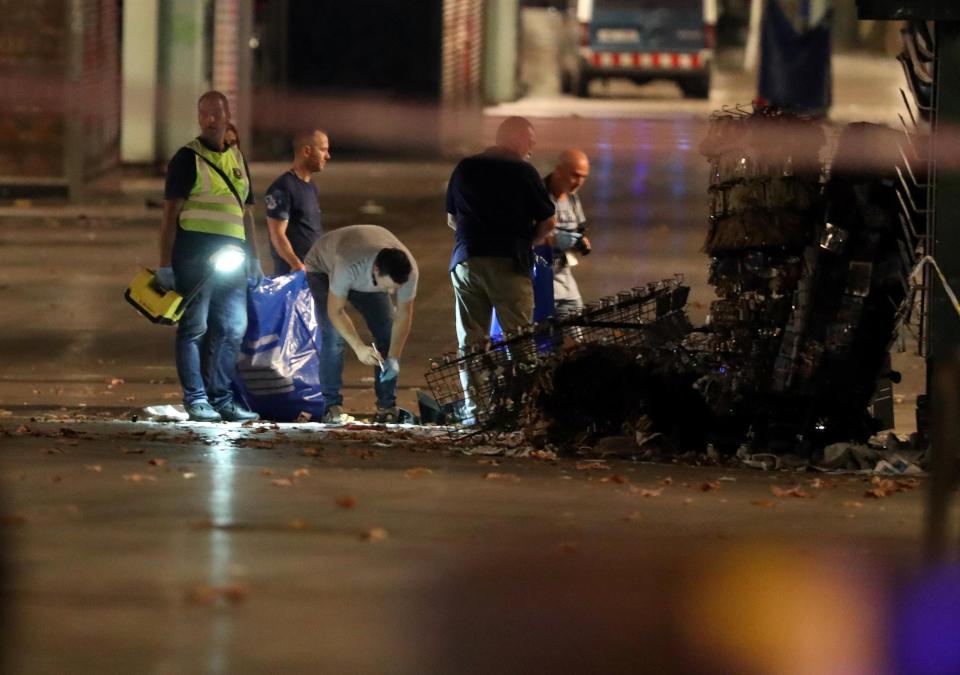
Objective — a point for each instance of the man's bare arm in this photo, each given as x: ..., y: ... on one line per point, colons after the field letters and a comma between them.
x: 543, y: 229
x: 337, y: 311
x: 281, y: 244
x: 402, y: 323
x: 168, y: 229
x: 250, y: 231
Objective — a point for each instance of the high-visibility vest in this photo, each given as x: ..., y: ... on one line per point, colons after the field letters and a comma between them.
x: 211, y: 206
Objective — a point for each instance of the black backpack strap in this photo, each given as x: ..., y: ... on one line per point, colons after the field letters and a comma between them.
x: 223, y: 176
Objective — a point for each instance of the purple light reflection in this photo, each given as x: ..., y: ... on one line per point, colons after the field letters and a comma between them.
x: 926, y: 628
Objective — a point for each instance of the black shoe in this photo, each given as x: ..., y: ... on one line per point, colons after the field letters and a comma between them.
x: 234, y: 412
x: 202, y: 411
x: 386, y: 415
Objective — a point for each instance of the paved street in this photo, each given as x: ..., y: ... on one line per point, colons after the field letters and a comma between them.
x: 160, y: 548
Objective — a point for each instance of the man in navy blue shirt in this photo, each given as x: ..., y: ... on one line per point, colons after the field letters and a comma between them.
x: 293, y: 207
x: 499, y: 207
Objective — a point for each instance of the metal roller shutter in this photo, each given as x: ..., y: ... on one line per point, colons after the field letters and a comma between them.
x: 462, y: 52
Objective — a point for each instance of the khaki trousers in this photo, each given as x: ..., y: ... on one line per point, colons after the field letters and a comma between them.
x: 484, y: 284
x: 481, y: 285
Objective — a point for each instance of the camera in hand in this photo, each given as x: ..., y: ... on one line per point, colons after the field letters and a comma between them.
x: 582, y: 246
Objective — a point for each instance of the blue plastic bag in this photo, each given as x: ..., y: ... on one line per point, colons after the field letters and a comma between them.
x: 278, y: 373
x: 541, y: 276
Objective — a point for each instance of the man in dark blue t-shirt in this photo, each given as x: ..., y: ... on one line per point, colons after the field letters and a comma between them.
x: 499, y: 208
x: 293, y: 207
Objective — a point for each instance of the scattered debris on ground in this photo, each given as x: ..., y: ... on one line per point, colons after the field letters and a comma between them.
x: 811, y: 268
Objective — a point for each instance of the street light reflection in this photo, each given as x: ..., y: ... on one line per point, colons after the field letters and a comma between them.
x: 220, y: 508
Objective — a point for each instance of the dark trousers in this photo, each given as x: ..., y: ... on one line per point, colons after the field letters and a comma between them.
x: 377, y: 311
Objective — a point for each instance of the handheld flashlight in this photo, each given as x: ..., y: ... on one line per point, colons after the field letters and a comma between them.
x: 228, y: 259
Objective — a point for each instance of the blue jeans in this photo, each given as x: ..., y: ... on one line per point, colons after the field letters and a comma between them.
x: 377, y: 311
x: 210, y: 332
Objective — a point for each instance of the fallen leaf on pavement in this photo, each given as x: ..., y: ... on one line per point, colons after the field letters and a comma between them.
x: 362, y: 454
x: 188, y: 475
x: 257, y: 445
x: 417, y: 472
x: 298, y: 524
x: 93, y: 467
x: 665, y: 481
x: 645, y: 492
x: 794, y: 491
x: 710, y: 485
x: 311, y: 452
x: 139, y: 478
x: 156, y: 461
x: 23, y: 429
x: 301, y: 472
x: 592, y: 465
x: 132, y: 451
x: 882, y: 488
x: 345, y: 501
x: 375, y: 534
x: 765, y: 503
x: 496, y: 475
x: 266, y: 472
x: 490, y: 462
x: 282, y: 482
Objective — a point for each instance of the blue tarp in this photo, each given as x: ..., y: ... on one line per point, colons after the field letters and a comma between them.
x: 278, y: 374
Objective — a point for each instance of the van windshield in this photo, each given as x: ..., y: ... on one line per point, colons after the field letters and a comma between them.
x: 647, y: 4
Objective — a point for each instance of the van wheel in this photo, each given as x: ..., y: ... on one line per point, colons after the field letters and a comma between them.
x: 583, y: 87
x: 698, y: 87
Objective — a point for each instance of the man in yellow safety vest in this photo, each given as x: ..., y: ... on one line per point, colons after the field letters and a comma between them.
x: 207, y: 205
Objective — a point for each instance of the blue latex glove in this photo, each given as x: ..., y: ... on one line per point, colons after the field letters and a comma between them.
x: 165, y: 279
x: 564, y: 239
x: 390, y: 370
x: 254, y: 271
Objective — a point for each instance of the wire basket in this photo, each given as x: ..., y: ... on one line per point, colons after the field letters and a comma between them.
x: 498, y: 375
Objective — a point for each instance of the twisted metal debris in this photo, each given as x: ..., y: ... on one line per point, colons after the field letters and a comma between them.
x: 503, y: 372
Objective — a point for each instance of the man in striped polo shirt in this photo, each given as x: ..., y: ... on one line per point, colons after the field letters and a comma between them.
x: 208, y: 204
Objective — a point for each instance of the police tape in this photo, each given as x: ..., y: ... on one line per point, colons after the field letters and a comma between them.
x: 916, y: 279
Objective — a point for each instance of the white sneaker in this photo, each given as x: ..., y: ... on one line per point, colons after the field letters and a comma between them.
x: 335, y: 415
